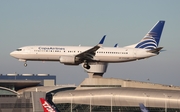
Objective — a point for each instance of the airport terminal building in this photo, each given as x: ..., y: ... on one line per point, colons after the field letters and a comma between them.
x: 21, y: 93
x: 117, y: 95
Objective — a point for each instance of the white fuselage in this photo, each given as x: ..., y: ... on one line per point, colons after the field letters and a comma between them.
x: 104, y: 54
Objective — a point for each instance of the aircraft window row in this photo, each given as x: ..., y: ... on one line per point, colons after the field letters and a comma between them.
x: 71, y: 51
x: 76, y: 51
x: 47, y: 51
x: 101, y: 86
x: 56, y: 51
x: 113, y: 52
x: 18, y: 49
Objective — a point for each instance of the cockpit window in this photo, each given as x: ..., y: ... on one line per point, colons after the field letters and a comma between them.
x: 18, y: 49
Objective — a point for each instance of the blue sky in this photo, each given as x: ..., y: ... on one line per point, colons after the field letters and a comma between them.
x: 57, y: 22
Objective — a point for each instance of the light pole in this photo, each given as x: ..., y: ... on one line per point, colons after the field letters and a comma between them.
x: 165, y: 102
x: 145, y: 98
x: 111, y: 101
x: 90, y: 102
x: 178, y: 101
x: 169, y: 101
x: 148, y: 100
x: 71, y: 101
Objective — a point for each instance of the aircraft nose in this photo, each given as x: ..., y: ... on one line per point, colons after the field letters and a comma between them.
x: 12, y: 54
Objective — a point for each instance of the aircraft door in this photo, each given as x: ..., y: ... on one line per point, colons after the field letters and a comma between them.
x: 135, y: 53
x: 27, y: 50
x: 32, y: 50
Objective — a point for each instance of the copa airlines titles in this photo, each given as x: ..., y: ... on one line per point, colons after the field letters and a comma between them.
x: 51, y: 48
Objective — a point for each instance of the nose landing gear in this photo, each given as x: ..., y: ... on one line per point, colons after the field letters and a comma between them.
x: 25, y: 64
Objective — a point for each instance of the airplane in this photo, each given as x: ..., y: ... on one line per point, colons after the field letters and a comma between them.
x: 46, y: 106
x: 143, y: 108
x: 75, y: 55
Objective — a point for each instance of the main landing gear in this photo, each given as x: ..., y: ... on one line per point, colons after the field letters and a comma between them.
x: 86, y: 65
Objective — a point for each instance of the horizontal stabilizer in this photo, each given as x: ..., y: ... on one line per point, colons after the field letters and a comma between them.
x: 155, y: 50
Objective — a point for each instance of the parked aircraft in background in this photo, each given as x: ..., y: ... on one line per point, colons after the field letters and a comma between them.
x: 46, y: 106
x: 143, y: 108
x: 75, y: 55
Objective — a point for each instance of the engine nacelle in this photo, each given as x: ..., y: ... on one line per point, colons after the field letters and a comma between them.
x: 67, y: 60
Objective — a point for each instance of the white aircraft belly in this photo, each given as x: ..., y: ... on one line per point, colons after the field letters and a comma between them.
x: 44, y: 57
x: 114, y: 59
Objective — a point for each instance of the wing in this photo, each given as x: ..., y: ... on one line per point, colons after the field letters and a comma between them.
x: 90, y: 53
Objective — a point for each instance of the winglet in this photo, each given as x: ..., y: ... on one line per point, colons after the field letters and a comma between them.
x: 116, y: 45
x: 102, y: 40
x: 157, y: 50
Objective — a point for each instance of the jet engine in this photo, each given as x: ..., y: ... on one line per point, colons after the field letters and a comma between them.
x: 67, y: 60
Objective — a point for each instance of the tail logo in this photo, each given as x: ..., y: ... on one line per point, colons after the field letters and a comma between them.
x: 48, y: 107
x: 148, y: 42
x: 152, y: 38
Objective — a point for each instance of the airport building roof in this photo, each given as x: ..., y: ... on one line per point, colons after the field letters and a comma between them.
x: 16, y: 81
x: 124, y: 95
x: 7, y: 92
x: 18, y: 84
x: 96, y: 83
x: 48, y: 89
x: 121, y: 97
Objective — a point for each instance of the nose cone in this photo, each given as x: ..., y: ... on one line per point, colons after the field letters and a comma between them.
x: 13, y: 54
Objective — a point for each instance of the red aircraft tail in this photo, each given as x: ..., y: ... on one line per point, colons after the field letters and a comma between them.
x: 46, y: 106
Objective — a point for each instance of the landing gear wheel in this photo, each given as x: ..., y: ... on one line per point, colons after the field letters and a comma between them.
x: 86, y: 66
x: 25, y: 64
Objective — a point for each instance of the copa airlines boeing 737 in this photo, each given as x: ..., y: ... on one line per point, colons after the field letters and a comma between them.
x: 75, y: 55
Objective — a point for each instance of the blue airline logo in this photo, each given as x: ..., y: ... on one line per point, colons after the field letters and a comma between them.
x: 152, y: 38
x: 148, y: 42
